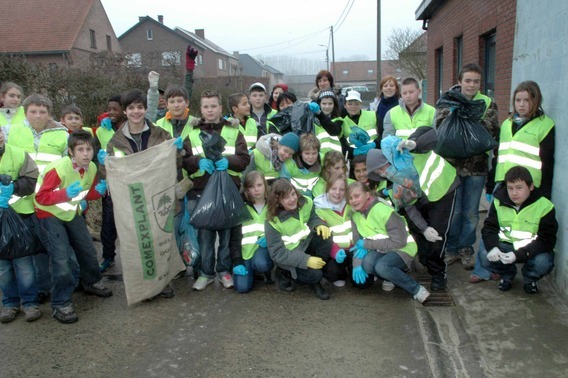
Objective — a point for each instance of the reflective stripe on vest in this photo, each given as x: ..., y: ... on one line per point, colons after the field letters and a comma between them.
x: 292, y: 231
x: 264, y: 165
x: 295, y: 238
x: 523, y: 148
x: 436, y: 174
x: 304, y: 184
x: 67, y: 206
x: 367, y: 122
x: 228, y: 133
x: 521, y: 228
x: 405, y: 124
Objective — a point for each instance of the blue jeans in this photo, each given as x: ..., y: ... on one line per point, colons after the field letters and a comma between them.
x: 464, y: 222
x: 260, y: 262
x: 533, y: 269
x: 18, y: 282
x: 207, y: 247
x: 478, y: 269
x: 43, y: 271
x: 59, y: 238
x: 390, y: 266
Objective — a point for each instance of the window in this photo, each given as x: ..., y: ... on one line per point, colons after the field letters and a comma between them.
x: 109, y: 43
x: 93, y: 38
x: 489, y: 66
x: 171, y: 58
x: 370, y: 71
x: 439, y: 90
x: 149, y: 34
x: 134, y: 60
x: 200, y: 59
x: 459, y: 56
x: 346, y: 72
x: 221, y: 64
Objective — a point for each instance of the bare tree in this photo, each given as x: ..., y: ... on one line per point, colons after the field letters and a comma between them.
x: 409, y: 47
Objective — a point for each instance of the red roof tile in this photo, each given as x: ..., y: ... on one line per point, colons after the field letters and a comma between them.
x: 42, y: 26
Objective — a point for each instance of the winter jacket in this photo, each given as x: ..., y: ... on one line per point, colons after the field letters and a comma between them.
x: 237, y: 162
x: 547, y: 225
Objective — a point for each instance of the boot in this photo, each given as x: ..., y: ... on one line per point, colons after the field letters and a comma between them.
x: 438, y: 283
x: 467, y: 259
x: 268, y: 278
x: 284, y: 280
x: 320, y: 291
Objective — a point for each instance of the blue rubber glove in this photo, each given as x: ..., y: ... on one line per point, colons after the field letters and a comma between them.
x: 314, y: 107
x: 261, y: 242
x: 222, y: 164
x: 359, y: 250
x: 363, y: 149
x: 240, y: 270
x: 358, y: 137
x: 206, y: 165
x: 359, y: 275
x: 83, y: 206
x: 489, y: 197
x: 106, y: 123
x: 101, y: 187
x: 340, y: 256
x: 178, y: 143
x: 6, y: 192
x: 101, y: 156
x: 73, y: 190
x: 360, y: 244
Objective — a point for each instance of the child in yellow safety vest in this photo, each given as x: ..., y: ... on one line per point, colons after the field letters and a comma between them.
x: 11, y: 110
x: 333, y: 163
x: 270, y: 154
x: 304, y: 168
x: 332, y: 208
x: 254, y: 255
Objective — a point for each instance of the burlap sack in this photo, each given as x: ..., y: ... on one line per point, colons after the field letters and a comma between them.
x: 143, y: 194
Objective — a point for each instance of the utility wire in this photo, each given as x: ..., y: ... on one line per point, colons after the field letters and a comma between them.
x: 307, y: 36
x: 335, y: 29
x: 341, y: 15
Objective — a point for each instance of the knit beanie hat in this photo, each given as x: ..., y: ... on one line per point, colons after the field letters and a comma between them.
x: 375, y: 160
x: 325, y: 93
x: 290, y: 140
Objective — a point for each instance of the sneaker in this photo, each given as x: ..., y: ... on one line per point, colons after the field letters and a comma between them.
x: 505, y: 285
x: 422, y: 294
x: 43, y: 297
x: 320, y: 291
x: 451, y: 258
x: 474, y: 278
x: 226, y: 279
x: 98, y: 289
x: 268, y: 278
x: 339, y: 283
x: 65, y: 315
x: 466, y: 256
x: 202, y: 283
x: 106, y: 265
x: 32, y: 313
x: 388, y: 286
x: 168, y: 292
x: 530, y: 287
x: 438, y: 283
x: 8, y: 314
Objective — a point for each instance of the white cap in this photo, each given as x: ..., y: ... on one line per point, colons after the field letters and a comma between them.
x: 353, y: 95
x: 257, y: 84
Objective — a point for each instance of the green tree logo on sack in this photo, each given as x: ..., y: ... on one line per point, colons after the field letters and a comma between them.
x: 143, y: 230
x: 164, y: 209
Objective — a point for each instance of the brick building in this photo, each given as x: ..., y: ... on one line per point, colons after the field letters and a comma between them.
x: 58, y: 33
x: 462, y: 32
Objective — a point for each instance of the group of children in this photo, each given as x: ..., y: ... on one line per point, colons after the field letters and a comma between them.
x: 320, y: 203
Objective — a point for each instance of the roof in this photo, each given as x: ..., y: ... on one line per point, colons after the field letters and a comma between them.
x: 247, y: 60
x: 273, y: 70
x: 208, y: 44
x: 144, y: 19
x: 42, y: 26
x: 428, y: 8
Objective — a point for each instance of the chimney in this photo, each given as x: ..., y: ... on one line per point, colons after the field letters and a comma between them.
x: 161, y: 18
x: 236, y: 54
x: 141, y: 18
x: 200, y: 33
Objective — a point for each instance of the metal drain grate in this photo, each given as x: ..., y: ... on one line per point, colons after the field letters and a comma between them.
x: 436, y: 298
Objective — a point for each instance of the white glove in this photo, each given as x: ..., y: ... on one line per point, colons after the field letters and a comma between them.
x: 408, y: 144
x: 153, y: 78
x: 494, y: 254
x: 431, y: 235
x: 508, y: 258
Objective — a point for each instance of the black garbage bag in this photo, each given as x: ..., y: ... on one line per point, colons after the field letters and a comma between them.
x: 302, y: 120
x: 283, y: 120
x: 461, y: 134
x: 213, y: 145
x: 220, y: 206
x: 296, y: 118
x: 16, y: 238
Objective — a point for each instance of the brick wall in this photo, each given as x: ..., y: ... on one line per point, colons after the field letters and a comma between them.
x: 473, y: 20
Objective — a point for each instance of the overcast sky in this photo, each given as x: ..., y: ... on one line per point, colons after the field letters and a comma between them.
x: 268, y: 28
